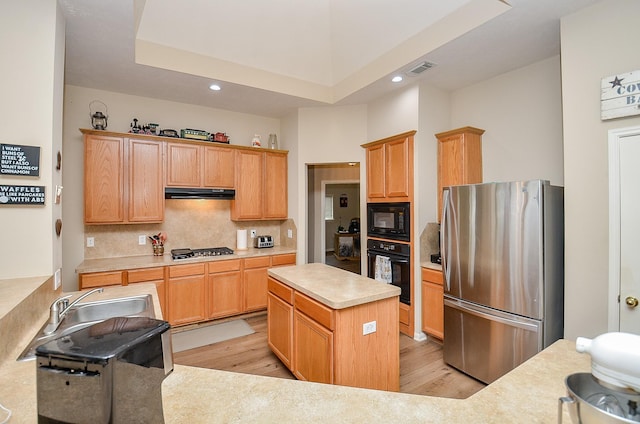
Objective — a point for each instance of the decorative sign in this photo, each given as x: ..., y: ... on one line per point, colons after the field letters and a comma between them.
x: 620, y: 95
x: 19, y: 160
x: 21, y: 195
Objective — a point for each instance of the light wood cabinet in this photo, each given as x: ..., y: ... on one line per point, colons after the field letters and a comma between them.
x: 390, y: 169
x: 432, y: 303
x: 321, y: 344
x: 100, y: 279
x: 122, y: 180
x: 186, y: 293
x: 150, y: 275
x: 193, y: 165
x: 224, y: 288
x: 280, y: 321
x: 184, y: 163
x: 313, y: 354
x: 261, y: 186
x: 255, y: 278
x: 459, y: 159
x: 255, y: 282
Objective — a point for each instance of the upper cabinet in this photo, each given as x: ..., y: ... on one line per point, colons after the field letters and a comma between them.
x: 122, y: 180
x: 459, y: 159
x: 261, y: 186
x: 125, y: 176
x: 390, y: 169
x: 192, y: 165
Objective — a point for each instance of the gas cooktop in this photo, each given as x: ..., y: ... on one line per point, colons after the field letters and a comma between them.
x: 194, y: 253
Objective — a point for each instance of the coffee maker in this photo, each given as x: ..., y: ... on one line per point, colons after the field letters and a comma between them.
x: 109, y: 372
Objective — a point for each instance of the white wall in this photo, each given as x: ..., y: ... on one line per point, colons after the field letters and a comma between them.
x: 521, y: 113
x: 325, y: 135
x: 32, y: 47
x: 597, y: 42
x: 122, y: 108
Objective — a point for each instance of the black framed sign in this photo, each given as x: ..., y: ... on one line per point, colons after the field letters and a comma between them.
x: 19, y: 160
x: 21, y: 195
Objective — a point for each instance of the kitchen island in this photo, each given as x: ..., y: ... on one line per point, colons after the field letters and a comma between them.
x: 528, y: 394
x: 328, y: 325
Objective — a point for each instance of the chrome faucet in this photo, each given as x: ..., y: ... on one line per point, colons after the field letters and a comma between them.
x: 59, y: 309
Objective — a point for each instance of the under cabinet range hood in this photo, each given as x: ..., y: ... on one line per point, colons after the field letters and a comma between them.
x: 199, y: 193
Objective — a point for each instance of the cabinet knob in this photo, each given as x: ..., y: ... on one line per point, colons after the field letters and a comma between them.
x: 631, y: 301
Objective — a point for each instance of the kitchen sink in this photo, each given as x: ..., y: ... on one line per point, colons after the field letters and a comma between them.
x: 85, y: 314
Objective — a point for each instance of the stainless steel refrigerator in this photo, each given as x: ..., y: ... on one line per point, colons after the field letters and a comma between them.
x: 503, y: 265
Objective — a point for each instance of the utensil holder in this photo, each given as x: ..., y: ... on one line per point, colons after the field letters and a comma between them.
x: 158, y: 249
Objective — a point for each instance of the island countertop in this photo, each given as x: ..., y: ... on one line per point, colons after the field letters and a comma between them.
x: 333, y: 287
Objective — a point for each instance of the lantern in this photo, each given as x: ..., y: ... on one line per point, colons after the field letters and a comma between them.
x: 98, y: 118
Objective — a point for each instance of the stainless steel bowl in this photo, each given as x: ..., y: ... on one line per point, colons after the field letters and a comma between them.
x: 584, y: 393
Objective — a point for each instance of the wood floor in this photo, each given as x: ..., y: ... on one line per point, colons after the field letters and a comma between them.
x: 422, y: 370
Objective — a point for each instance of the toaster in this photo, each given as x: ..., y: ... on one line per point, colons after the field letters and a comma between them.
x: 263, y: 241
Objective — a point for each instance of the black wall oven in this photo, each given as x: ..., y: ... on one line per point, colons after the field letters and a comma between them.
x: 389, y: 262
x: 389, y: 221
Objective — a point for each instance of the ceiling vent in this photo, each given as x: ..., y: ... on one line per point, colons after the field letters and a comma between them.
x: 420, y: 68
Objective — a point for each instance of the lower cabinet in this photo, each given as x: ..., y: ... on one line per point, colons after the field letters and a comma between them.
x: 312, y: 344
x: 280, y: 321
x: 186, y: 294
x: 432, y: 303
x: 191, y: 293
x: 151, y: 275
x: 224, y: 288
x: 323, y: 345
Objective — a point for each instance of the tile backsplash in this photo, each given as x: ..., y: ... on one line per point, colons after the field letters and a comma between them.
x: 188, y: 223
x: 429, y: 243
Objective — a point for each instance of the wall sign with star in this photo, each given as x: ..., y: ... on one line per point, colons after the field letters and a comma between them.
x: 620, y: 95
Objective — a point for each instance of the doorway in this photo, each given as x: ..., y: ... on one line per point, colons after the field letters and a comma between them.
x: 624, y: 230
x: 333, y: 201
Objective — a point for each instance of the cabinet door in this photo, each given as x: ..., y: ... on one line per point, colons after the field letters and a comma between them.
x: 280, y: 328
x: 312, y: 350
x: 150, y: 275
x: 275, y: 186
x: 459, y: 159
x: 103, y: 180
x: 398, y: 168
x: 184, y: 165
x: 224, y: 294
x: 145, y: 182
x: 432, y: 303
x: 186, y: 293
x: 218, y: 167
x: 248, y: 203
x: 376, y: 172
x: 255, y: 283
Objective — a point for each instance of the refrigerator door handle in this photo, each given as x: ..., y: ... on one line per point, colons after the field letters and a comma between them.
x: 445, y: 248
x: 474, y: 310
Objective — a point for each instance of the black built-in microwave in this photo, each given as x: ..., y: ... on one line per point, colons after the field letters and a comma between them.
x: 389, y: 220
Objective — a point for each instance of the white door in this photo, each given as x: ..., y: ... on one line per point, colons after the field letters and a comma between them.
x: 625, y: 207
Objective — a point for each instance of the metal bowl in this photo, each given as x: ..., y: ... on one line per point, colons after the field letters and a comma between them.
x: 584, y: 393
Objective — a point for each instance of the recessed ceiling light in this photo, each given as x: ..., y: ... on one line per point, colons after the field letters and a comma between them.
x: 214, y: 87
x: 397, y: 78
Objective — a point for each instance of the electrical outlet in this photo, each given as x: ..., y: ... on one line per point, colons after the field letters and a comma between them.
x: 142, y: 240
x: 290, y: 233
x: 90, y: 242
x: 368, y: 328
x: 253, y: 234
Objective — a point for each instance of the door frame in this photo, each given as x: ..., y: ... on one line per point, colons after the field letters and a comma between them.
x: 323, y: 227
x: 615, y: 138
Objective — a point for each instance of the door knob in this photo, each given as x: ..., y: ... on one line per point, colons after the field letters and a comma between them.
x: 631, y: 301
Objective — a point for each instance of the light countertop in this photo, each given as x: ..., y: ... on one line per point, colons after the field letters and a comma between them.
x: 332, y: 286
x: 150, y: 261
x: 431, y: 265
x: 528, y: 394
